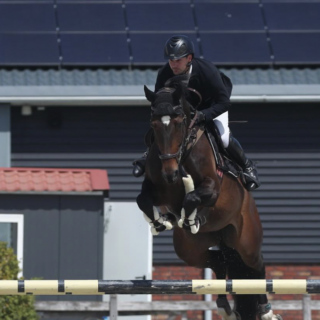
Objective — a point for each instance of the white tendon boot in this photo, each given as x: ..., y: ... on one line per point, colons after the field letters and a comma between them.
x: 158, y: 218
x: 189, y: 187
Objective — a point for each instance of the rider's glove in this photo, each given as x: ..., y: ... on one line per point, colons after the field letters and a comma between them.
x: 201, y: 119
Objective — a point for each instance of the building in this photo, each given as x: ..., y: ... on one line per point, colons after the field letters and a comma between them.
x: 77, y: 100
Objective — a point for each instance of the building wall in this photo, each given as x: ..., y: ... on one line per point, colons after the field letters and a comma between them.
x: 62, y: 237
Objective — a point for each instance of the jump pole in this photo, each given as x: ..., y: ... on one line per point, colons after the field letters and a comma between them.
x: 100, y: 287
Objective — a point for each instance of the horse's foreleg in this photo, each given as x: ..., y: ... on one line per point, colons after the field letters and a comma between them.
x: 203, y: 195
x: 150, y: 212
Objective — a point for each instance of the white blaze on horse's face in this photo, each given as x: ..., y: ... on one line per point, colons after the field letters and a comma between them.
x: 165, y: 120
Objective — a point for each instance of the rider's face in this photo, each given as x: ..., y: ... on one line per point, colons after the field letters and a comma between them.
x: 180, y: 65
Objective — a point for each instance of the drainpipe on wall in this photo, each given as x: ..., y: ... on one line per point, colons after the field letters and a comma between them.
x: 208, y: 297
x: 5, y: 136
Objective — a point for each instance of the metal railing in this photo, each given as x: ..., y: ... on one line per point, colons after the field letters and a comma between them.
x: 113, y: 308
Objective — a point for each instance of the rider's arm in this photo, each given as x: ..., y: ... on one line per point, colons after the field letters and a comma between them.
x: 220, y: 101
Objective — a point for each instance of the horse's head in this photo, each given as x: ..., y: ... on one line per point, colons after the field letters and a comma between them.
x: 169, y: 120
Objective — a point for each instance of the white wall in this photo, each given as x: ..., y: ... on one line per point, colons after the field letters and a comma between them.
x: 127, y: 252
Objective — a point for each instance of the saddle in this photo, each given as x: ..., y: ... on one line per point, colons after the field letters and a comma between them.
x: 223, y: 161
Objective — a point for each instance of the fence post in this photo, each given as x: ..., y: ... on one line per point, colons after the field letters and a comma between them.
x: 306, y: 307
x: 113, y: 307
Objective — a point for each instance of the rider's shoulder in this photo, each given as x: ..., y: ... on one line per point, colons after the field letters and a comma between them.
x: 204, y: 64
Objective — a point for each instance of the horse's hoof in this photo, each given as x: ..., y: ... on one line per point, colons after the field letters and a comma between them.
x: 233, y: 316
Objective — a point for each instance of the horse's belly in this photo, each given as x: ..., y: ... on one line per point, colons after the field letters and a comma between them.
x: 214, y: 220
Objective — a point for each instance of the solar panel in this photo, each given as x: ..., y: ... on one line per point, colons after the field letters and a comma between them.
x: 148, y: 48
x: 235, y: 48
x: 29, y: 49
x: 94, y: 49
x: 91, y: 16
x: 293, y: 16
x: 228, y: 16
x: 296, y: 47
x: 170, y: 16
x: 15, y: 17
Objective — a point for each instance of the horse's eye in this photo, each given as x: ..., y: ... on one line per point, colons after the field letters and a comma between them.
x: 154, y: 124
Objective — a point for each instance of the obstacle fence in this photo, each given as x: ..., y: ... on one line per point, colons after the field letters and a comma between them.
x: 100, y: 287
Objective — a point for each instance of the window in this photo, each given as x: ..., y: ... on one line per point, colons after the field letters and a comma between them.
x: 11, y: 231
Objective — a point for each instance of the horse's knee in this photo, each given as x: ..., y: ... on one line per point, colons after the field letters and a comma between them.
x: 191, y: 201
x: 145, y: 203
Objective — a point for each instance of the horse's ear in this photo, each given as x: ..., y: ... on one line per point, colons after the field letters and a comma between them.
x: 150, y: 95
x: 177, y: 93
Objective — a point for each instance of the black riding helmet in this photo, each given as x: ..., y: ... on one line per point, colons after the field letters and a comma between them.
x: 178, y: 47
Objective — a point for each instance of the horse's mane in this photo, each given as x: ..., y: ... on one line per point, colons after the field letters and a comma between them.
x: 182, y: 82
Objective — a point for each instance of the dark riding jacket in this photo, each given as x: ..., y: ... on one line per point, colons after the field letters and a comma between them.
x: 206, y: 79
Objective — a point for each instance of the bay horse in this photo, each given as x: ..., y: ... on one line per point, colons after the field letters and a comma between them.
x: 183, y: 190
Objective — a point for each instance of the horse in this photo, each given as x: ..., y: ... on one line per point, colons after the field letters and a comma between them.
x: 183, y: 190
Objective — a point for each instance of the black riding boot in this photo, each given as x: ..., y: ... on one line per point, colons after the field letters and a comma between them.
x: 139, y: 165
x: 237, y: 154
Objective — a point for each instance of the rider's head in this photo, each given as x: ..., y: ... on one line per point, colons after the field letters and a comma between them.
x: 179, y: 50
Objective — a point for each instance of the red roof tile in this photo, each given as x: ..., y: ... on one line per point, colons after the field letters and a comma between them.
x: 53, y: 180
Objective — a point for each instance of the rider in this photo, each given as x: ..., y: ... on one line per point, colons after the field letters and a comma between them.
x: 206, y: 79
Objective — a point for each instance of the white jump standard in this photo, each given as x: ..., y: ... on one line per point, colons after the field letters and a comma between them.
x: 100, y: 287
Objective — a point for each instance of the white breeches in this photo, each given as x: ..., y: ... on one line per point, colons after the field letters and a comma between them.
x: 222, y: 123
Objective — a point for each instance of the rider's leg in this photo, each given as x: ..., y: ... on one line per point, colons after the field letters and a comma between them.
x: 139, y: 164
x: 236, y: 152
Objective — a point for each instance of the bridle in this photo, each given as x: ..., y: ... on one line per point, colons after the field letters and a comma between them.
x: 190, y: 138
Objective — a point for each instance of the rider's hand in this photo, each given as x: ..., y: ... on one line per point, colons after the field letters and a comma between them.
x: 201, y: 119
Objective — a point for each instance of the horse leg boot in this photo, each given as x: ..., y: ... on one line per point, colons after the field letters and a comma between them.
x: 219, y: 267
x: 237, y: 154
x: 144, y: 200
x: 264, y: 307
x: 250, y: 266
x: 194, y: 197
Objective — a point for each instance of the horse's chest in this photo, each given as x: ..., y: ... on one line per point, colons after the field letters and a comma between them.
x: 170, y: 195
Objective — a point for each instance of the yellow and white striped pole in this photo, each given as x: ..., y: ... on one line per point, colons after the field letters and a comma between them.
x: 100, y: 287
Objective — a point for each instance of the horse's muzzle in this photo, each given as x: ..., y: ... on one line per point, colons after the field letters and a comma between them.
x: 171, y: 177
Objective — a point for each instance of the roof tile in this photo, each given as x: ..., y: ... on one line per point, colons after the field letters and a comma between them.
x: 53, y: 180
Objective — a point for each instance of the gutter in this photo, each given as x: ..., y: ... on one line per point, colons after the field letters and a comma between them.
x: 134, y: 101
